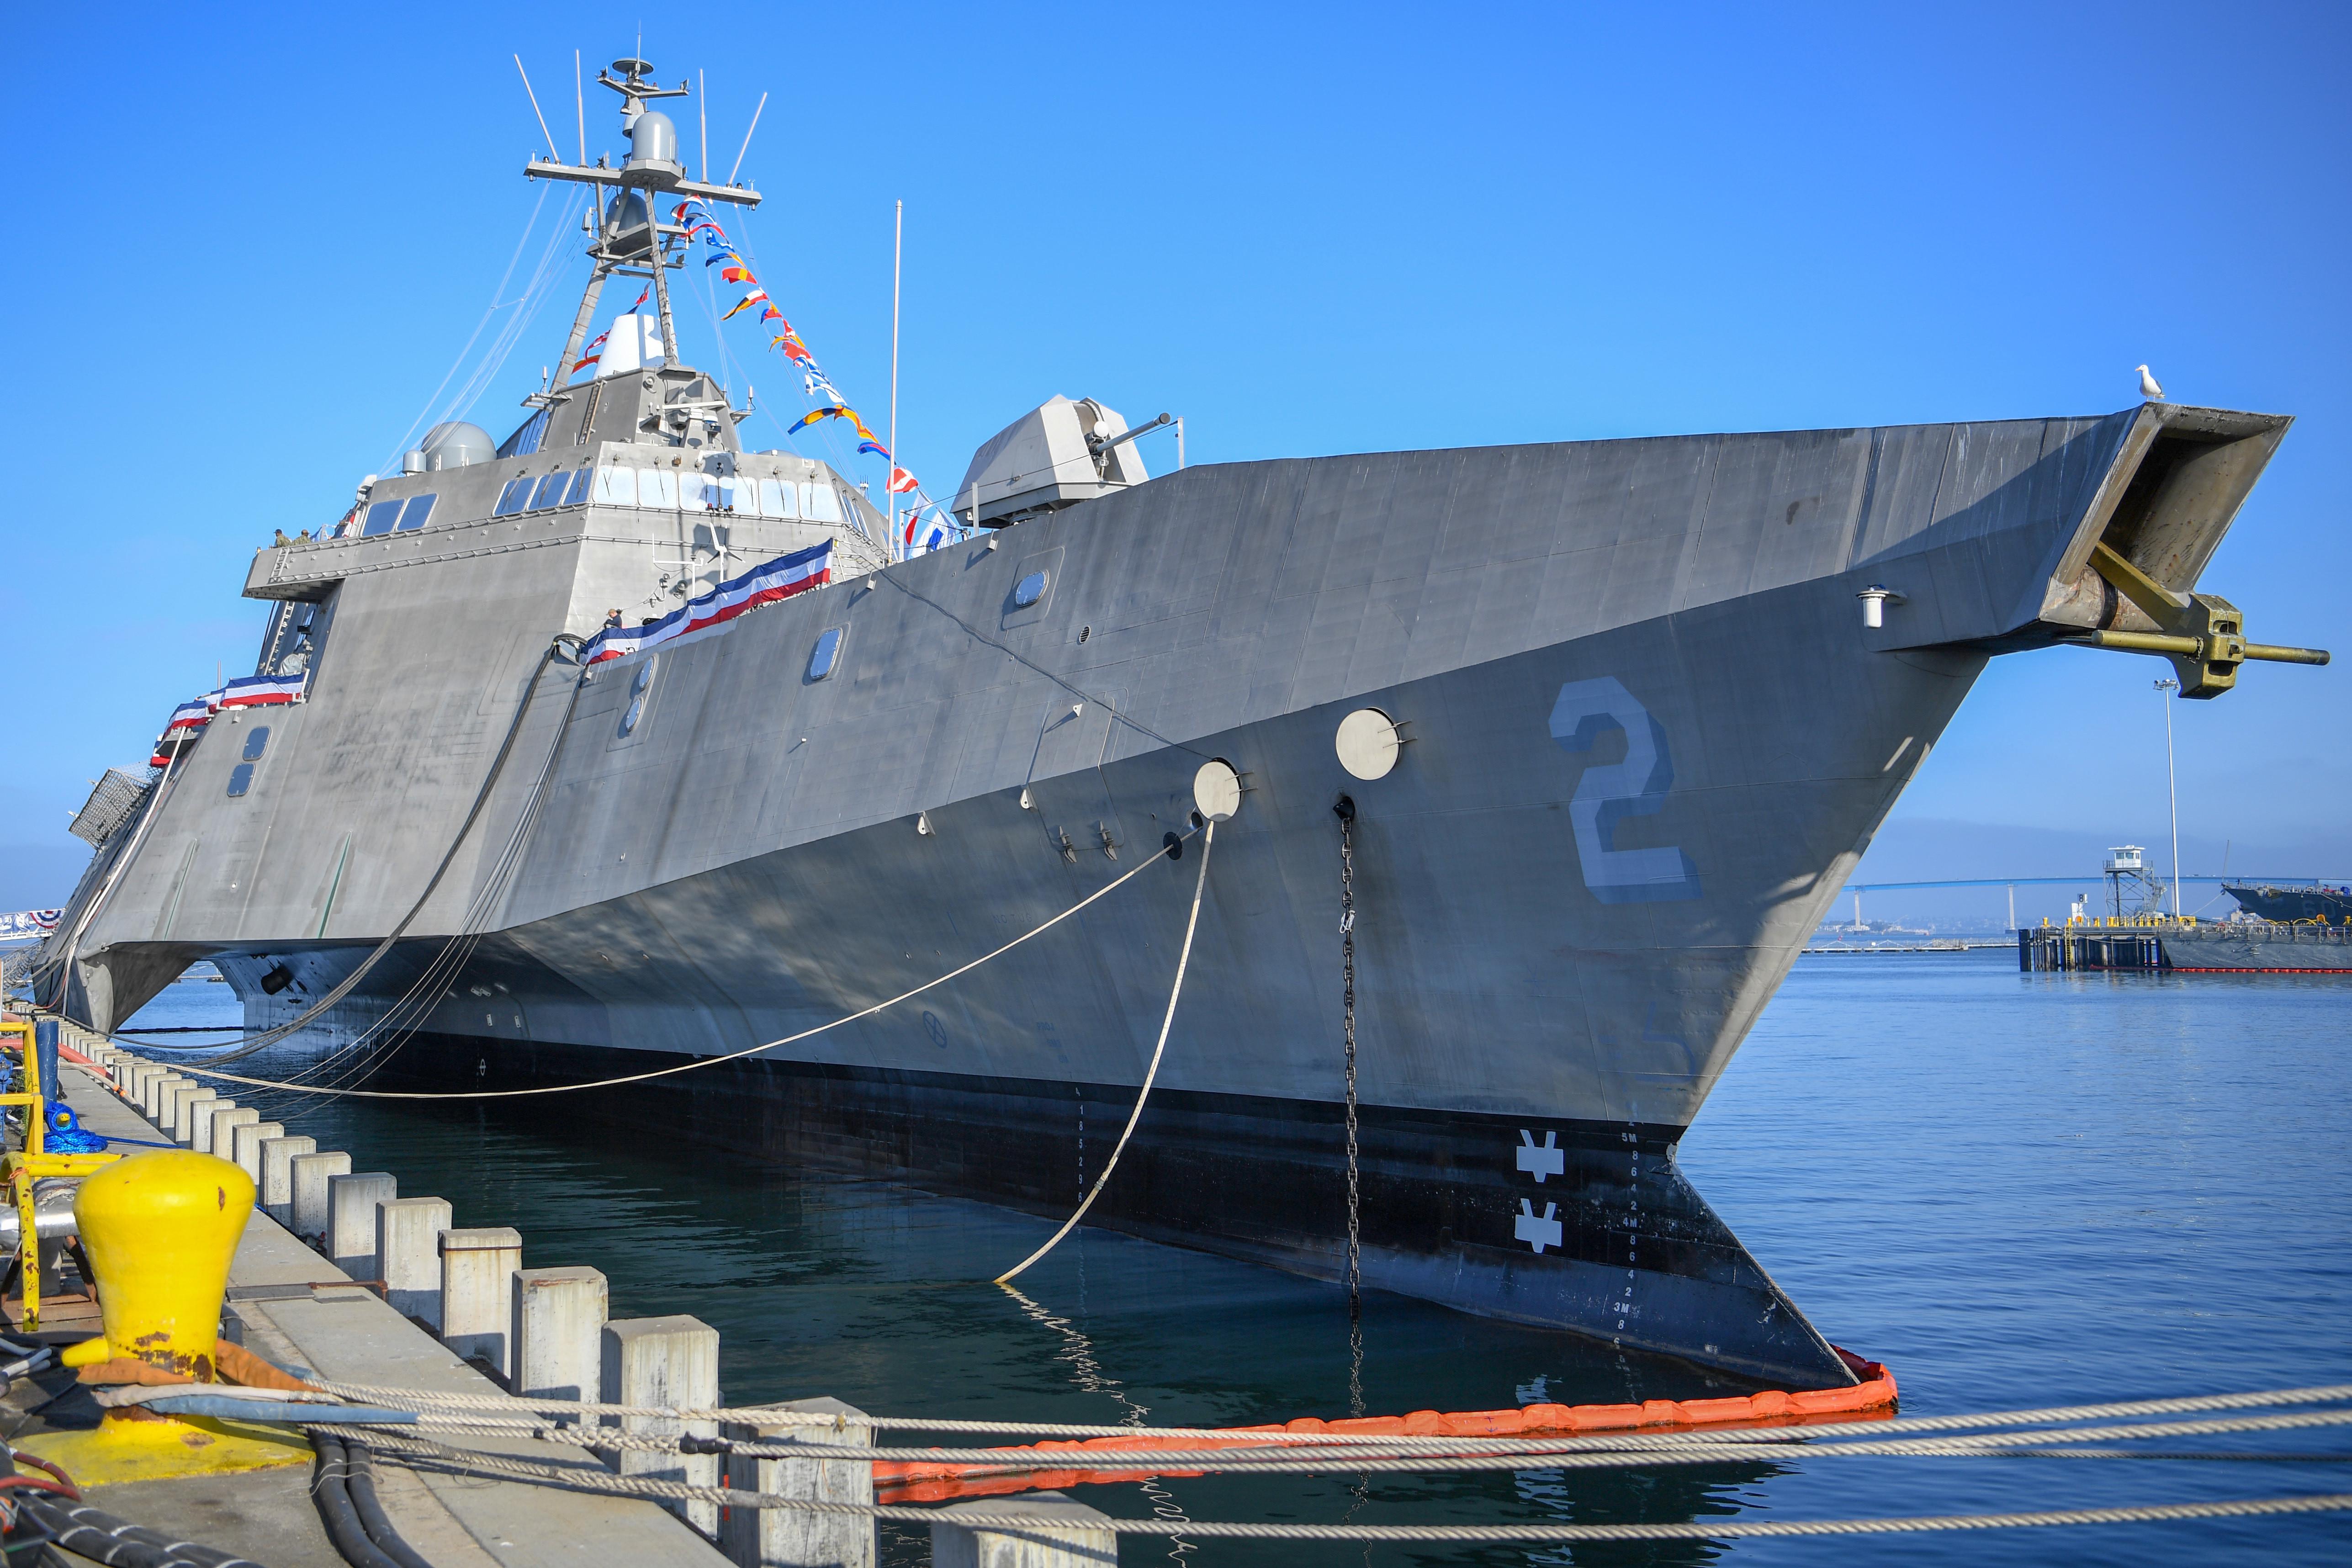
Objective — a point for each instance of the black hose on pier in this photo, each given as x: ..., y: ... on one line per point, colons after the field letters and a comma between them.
x: 89, y: 1532
x: 359, y: 1479
x: 360, y: 1530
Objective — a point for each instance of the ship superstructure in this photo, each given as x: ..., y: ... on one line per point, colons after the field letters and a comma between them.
x: 1635, y: 709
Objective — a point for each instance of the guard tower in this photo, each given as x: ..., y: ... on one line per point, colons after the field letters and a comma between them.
x: 2132, y: 888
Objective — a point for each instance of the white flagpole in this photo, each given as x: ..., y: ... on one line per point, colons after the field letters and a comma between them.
x: 890, y: 464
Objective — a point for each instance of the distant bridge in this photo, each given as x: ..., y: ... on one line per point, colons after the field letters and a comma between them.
x: 2061, y: 882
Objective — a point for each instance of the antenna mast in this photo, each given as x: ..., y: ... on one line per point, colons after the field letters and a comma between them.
x: 653, y: 170
x: 891, y: 477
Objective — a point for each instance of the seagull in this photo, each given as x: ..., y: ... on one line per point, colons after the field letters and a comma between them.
x: 2147, y: 387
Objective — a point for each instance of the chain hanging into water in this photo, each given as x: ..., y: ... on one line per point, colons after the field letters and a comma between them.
x: 1346, y: 812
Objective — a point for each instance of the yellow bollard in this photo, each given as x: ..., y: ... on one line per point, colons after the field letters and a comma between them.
x: 161, y: 1230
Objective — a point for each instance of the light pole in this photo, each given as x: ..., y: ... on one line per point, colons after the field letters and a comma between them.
x: 2172, y: 790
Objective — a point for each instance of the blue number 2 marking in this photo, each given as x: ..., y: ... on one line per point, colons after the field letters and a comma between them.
x: 1586, y: 710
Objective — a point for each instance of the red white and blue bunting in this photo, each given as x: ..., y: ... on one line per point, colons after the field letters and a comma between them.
x: 779, y: 579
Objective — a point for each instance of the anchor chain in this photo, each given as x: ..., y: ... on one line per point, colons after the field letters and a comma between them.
x: 1346, y: 812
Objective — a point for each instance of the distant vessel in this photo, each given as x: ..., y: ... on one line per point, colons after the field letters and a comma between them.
x: 1611, y: 722
x: 2317, y: 901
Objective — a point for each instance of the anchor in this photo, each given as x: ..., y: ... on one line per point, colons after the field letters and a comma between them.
x: 2204, y: 635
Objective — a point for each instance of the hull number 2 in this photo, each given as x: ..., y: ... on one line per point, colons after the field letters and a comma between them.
x: 1609, y: 792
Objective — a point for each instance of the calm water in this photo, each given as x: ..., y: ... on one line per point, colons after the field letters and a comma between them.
x: 2015, y: 1190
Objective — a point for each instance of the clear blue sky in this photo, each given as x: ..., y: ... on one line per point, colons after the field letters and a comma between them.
x: 261, y: 237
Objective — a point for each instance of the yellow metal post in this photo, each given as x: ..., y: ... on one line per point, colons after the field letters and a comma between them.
x: 29, y: 1238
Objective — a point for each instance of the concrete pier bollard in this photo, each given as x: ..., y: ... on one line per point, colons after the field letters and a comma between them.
x: 558, y: 1325
x: 203, y: 1122
x: 277, y: 1156
x: 477, y: 1268
x: 310, y: 1173
x: 351, y: 1200
x: 672, y: 1361
x: 408, y: 1234
x: 223, y: 1131
x: 184, y: 1113
x: 1063, y: 1537
x: 152, y: 1100
x: 788, y: 1537
x: 245, y: 1146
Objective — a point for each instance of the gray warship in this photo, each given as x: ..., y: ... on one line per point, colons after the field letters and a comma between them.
x: 1620, y: 717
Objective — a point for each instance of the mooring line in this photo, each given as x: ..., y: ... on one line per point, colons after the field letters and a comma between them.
x: 701, y: 1062
x: 762, y: 1414
x: 1183, y: 957
x: 584, y: 1478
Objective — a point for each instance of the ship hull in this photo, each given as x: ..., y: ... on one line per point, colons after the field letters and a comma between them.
x: 1648, y: 731
x: 1534, y: 1037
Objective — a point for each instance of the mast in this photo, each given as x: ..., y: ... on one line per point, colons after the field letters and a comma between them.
x: 654, y: 170
x: 890, y: 464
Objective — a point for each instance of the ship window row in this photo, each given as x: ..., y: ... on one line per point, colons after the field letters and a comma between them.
x: 659, y: 489
x: 811, y: 500
x: 397, y: 515
x: 544, y: 493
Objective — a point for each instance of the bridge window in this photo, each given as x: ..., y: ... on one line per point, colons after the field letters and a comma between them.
x: 779, y: 498
x: 616, y: 487
x: 419, y: 510
x: 381, y: 517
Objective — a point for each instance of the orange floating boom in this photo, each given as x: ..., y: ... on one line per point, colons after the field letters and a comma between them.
x: 1874, y: 1395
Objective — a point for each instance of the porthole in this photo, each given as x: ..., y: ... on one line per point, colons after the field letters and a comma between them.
x: 256, y: 740
x: 825, y: 654
x: 645, y: 676
x: 637, y: 711
x: 240, y: 779
x: 1029, y: 590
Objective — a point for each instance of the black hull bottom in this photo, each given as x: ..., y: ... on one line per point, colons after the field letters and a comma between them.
x: 1611, y: 1243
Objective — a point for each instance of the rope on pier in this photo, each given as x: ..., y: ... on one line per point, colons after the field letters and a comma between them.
x: 435, y: 1399
x: 1183, y: 957
x: 916, y: 1465
x: 697, y: 1062
x: 441, y: 1456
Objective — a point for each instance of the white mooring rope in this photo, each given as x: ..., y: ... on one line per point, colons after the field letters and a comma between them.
x: 1183, y: 957
x: 768, y: 1415
x: 583, y: 1479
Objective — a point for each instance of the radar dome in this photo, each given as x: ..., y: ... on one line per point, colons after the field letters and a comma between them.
x: 456, y: 444
x: 653, y: 138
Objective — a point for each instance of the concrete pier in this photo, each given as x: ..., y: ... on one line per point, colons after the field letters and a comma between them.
x: 245, y: 1146
x: 788, y: 1538
x: 279, y: 1309
x: 351, y: 1202
x: 220, y: 1138
x: 277, y: 1192
x: 558, y: 1327
x: 477, y: 1299
x: 1061, y: 1539
x: 672, y: 1362
x: 311, y: 1173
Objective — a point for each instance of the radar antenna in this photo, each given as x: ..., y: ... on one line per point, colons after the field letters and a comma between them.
x: 630, y: 239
